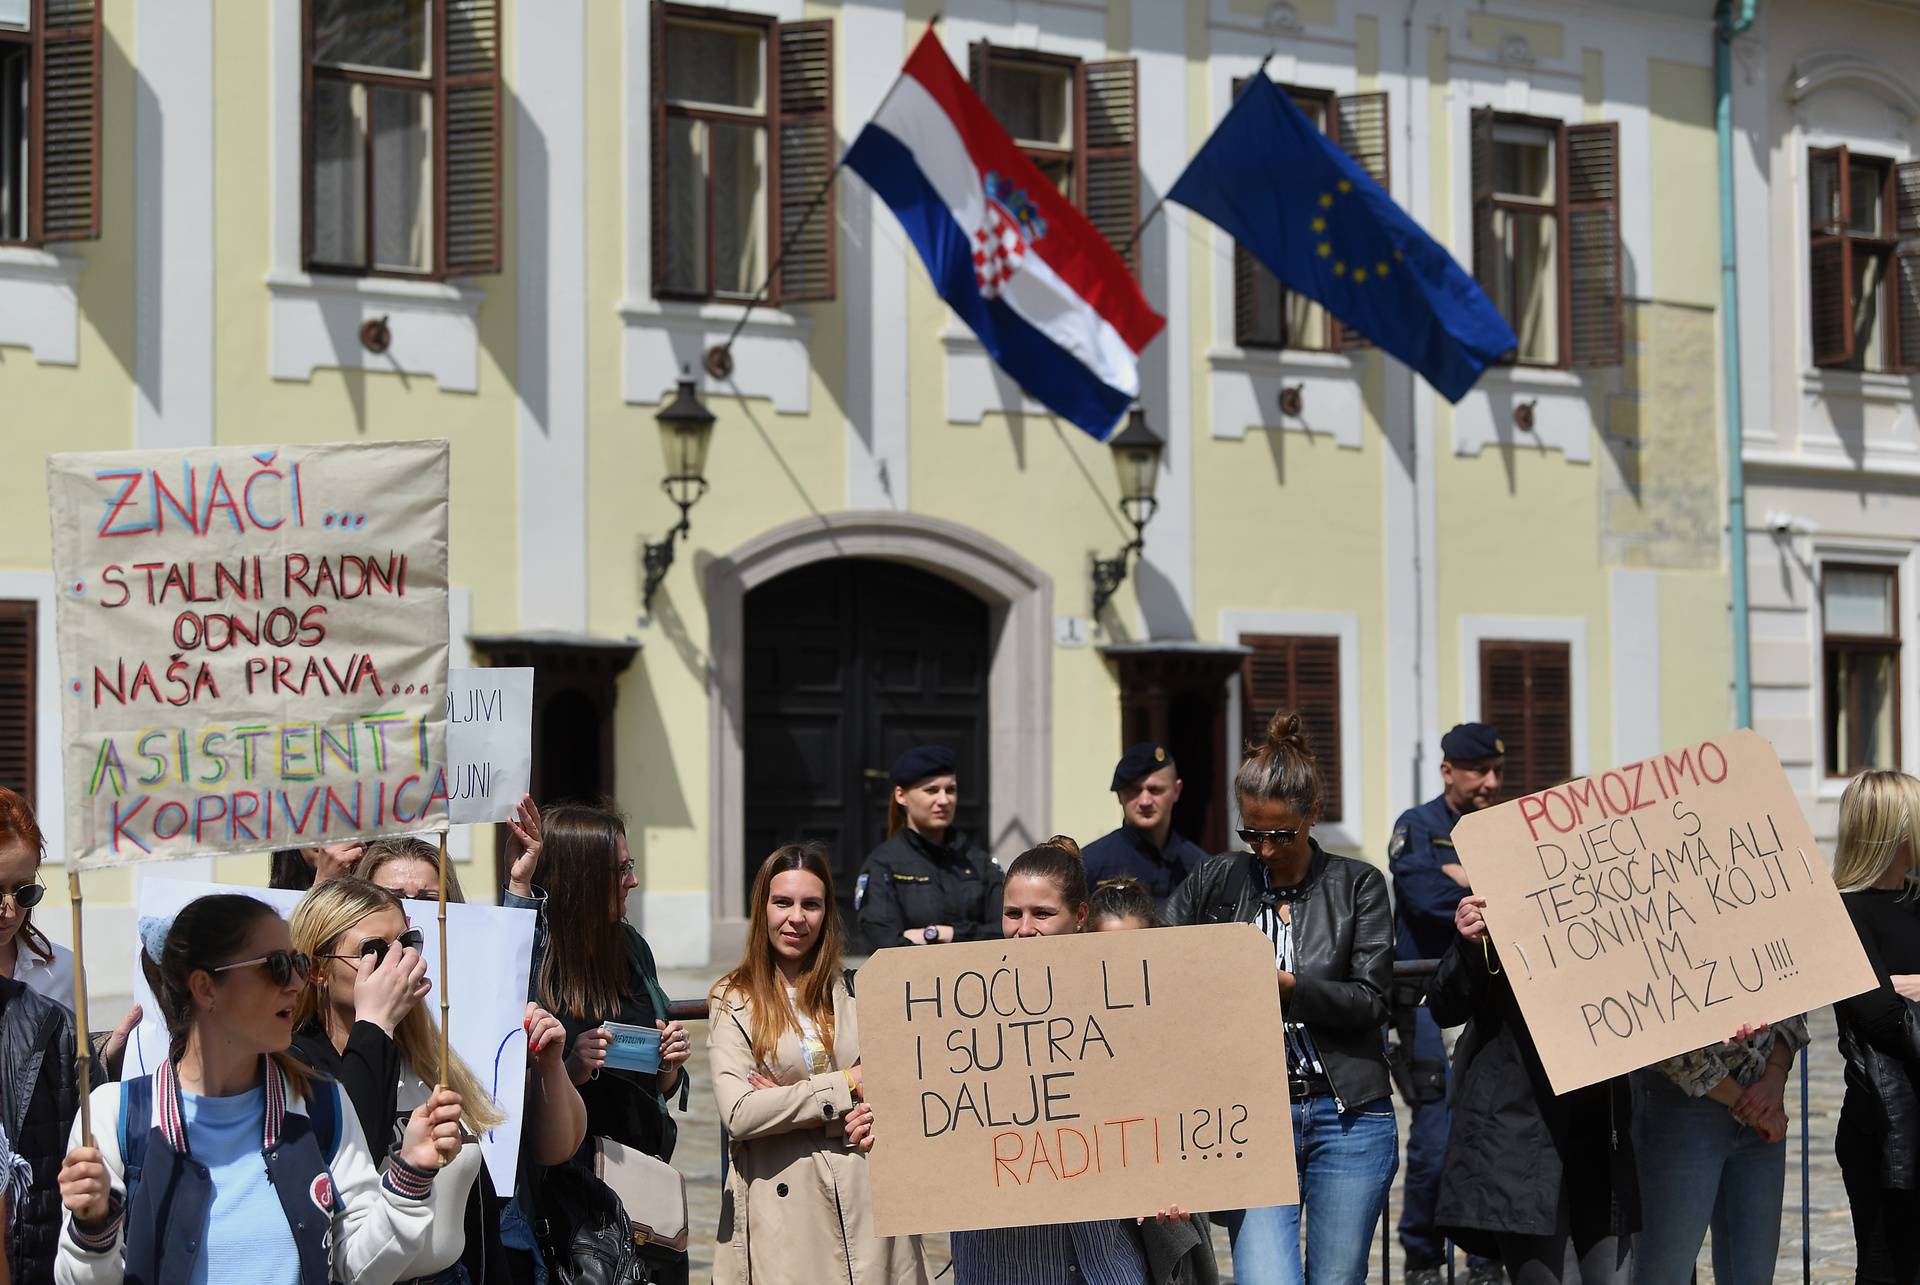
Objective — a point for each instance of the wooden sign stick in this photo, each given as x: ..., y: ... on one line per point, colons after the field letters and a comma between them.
x: 443, y: 958
x: 82, y: 1039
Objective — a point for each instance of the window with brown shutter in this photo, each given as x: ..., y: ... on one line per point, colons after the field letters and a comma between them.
x: 1864, y: 288
x: 1526, y: 691
x: 1860, y: 626
x: 1078, y: 121
x: 1265, y: 313
x: 1299, y: 673
x: 1546, y: 234
x: 49, y: 121
x: 18, y: 621
x: 743, y: 144
x: 402, y: 105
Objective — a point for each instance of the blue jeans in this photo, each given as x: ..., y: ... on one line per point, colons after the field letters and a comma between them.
x: 1701, y: 1168
x: 1346, y: 1162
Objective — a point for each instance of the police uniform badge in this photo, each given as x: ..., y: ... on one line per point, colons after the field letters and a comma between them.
x: 859, y: 891
x: 1397, y: 844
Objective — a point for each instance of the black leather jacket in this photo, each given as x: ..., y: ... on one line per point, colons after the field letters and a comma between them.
x: 1881, y: 1104
x: 39, y: 1100
x: 1343, y: 945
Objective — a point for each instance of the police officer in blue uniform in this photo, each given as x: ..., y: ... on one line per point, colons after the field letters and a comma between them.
x: 1428, y: 882
x: 927, y: 882
x: 1145, y: 847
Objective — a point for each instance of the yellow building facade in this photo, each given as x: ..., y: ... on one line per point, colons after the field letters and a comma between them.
x: 895, y: 545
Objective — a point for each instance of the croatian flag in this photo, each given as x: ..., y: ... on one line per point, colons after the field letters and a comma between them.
x: 1053, y: 303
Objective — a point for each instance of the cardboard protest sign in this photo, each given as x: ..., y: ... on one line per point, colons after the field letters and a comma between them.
x: 490, y: 949
x: 1055, y: 1079
x: 1659, y: 907
x: 253, y: 646
x: 489, y: 742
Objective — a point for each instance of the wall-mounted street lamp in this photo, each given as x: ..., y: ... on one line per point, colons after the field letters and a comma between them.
x: 1136, y: 457
x: 686, y: 431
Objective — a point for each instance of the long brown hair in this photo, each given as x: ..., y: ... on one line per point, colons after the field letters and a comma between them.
x: 17, y: 824
x: 323, y: 916
x: 757, y: 982
x: 1281, y: 768
x: 208, y: 932
x: 584, y: 971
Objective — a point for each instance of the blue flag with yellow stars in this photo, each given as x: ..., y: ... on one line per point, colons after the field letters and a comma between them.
x: 1308, y: 211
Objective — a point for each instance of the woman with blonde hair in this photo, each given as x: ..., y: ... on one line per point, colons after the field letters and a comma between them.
x: 409, y: 868
x: 785, y: 1051
x: 362, y: 1023
x: 1878, y: 1141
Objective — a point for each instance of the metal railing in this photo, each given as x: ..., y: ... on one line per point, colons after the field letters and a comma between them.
x: 695, y: 1010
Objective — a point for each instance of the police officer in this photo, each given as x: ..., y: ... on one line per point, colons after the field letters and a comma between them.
x: 1428, y: 881
x: 927, y: 882
x: 1145, y: 846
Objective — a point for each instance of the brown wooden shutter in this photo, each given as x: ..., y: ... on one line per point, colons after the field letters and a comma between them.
x: 1108, y: 155
x: 1486, y: 250
x: 803, y: 129
x: 18, y: 622
x: 1526, y: 691
x: 979, y: 66
x: 469, y: 139
x: 1831, y: 277
x: 1359, y: 125
x: 1906, y: 263
x: 66, y: 123
x: 657, y: 107
x: 1301, y: 674
x: 1906, y: 198
x: 1593, y: 244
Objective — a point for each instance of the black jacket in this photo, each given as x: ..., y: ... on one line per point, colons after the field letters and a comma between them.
x: 910, y: 883
x: 369, y: 1071
x: 1343, y: 947
x: 39, y: 1096
x: 1880, y: 1043
x: 1521, y: 1159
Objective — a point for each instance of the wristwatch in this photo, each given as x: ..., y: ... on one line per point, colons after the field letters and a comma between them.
x: 930, y: 935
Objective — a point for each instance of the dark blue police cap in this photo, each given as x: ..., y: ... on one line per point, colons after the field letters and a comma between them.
x: 1470, y: 742
x: 921, y: 762
x: 1138, y: 761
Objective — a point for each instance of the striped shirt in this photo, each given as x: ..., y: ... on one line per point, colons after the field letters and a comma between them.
x: 1302, y: 1057
x: 1090, y: 1253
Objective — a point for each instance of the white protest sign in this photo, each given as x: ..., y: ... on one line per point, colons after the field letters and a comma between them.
x: 253, y: 646
x: 489, y: 742
x: 489, y: 948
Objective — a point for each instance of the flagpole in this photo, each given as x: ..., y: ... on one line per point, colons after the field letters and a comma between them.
x: 1158, y: 205
x: 719, y: 359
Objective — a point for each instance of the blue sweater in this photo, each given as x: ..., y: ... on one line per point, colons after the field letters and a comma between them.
x: 247, y: 1238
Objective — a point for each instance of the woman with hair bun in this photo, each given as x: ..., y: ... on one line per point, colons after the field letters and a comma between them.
x: 1332, y: 932
x: 231, y: 1162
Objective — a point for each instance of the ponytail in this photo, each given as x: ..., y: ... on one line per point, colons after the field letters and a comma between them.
x: 1281, y: 768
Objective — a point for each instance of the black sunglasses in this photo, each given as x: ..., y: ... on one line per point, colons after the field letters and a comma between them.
x: 1278, y: 838
x: 282, y: 966
x: 375, y: 948
x: 27, y: 895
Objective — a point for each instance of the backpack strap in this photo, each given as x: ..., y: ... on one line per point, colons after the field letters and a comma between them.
x: 1239, y: 880
x: 136, y: 1122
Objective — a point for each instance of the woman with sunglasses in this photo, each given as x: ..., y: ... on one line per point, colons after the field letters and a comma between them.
x: 409, y: 868
x: 362, y: 1022
x: 591, y: 967
x: 231, y: 1162
x: 1332, y: 933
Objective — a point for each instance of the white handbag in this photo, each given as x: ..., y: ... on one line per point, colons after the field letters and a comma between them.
x: 653, y: 1193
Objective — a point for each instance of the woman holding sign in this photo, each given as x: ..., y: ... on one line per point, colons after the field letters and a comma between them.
x: 1332, y: 932
x: 1528, y: 1174
x: 785, y: 1052
x: 1878, y: 1142
x: 362, y: 1023
x: 173, y: 1187
x: 1045, y: 896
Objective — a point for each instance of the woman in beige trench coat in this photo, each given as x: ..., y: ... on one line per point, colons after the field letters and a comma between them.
x: 785, y: 1053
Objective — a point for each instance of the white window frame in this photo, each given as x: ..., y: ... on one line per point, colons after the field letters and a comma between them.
x: 1872, y: 553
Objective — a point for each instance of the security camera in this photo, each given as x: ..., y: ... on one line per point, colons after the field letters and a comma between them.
x: 1784, y: 524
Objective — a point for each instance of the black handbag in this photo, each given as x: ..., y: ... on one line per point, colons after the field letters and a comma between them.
x: 585, y: 1235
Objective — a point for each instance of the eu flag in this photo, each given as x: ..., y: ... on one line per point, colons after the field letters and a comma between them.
x: 1309, y: 212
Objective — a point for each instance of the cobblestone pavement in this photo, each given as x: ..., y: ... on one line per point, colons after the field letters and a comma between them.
x: 1832, y: 1233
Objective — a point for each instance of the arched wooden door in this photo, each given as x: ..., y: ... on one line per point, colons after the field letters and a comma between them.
x: 848, y: 663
